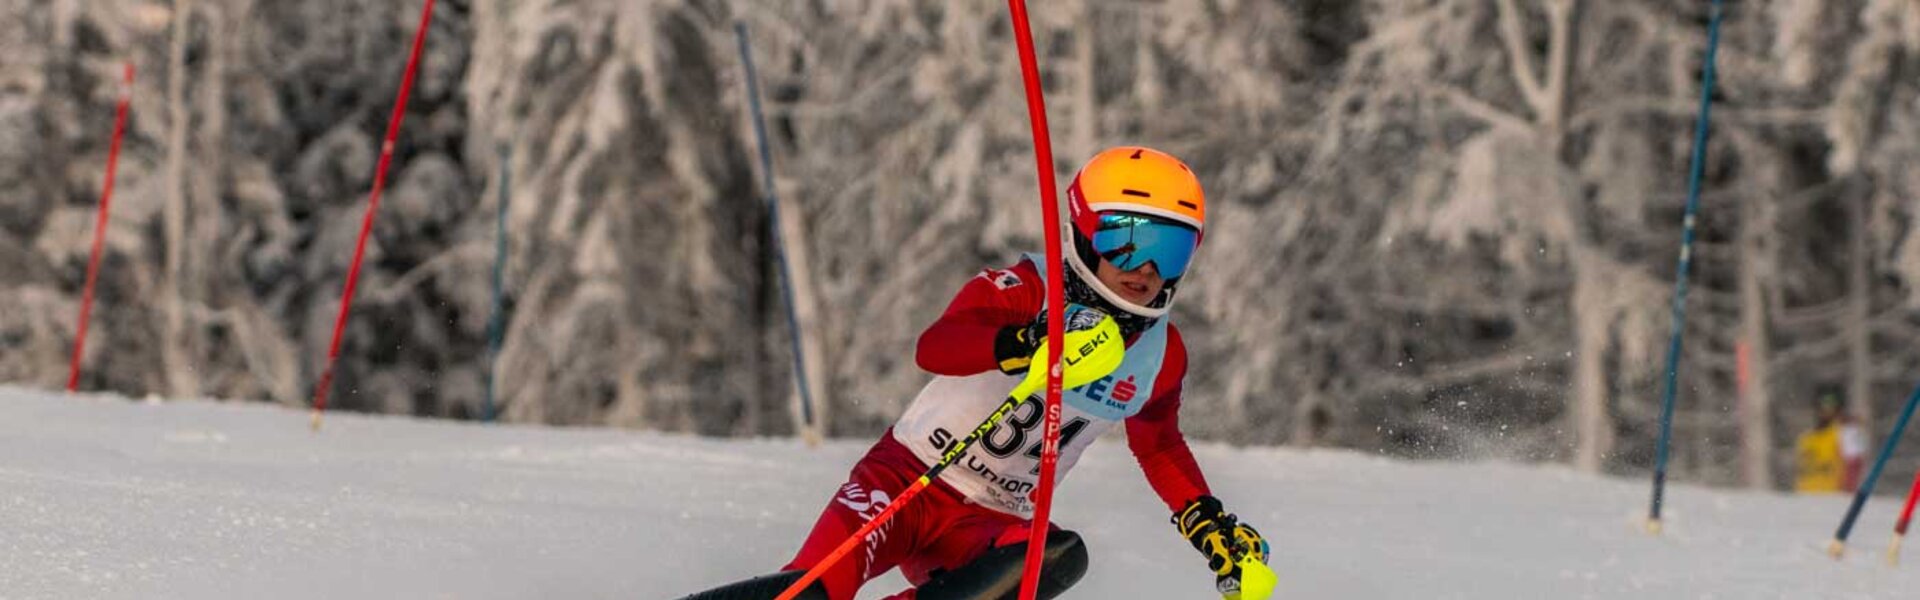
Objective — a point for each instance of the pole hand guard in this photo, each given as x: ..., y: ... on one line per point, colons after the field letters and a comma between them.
x: 1094, y: 350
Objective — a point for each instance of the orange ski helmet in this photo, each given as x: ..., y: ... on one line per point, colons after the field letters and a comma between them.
x: 1131, y: 206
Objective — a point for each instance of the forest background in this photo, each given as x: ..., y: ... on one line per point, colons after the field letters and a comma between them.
x: 1439, y: 228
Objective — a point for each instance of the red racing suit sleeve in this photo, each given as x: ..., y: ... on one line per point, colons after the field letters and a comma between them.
x: 960, y: 342
x: 1155, y: 438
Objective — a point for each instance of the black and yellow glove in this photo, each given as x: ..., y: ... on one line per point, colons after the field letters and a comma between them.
x: 1222, y: 538
x: 1013, y: 348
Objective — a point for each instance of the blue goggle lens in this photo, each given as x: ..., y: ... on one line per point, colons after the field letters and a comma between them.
x: 1129, y: 241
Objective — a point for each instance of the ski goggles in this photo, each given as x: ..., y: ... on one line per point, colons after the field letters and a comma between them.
x: 1129, y: 240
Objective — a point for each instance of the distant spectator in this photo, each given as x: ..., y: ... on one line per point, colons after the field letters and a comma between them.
x: 1832, y: 453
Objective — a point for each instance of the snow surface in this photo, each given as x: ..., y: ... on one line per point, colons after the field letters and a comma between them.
x: 106, y: 498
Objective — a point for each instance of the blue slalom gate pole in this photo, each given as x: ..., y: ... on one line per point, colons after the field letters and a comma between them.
x: 808, y: 428
x: 1839, y: 544
x: 1686, y: 263
x: 495, y: 323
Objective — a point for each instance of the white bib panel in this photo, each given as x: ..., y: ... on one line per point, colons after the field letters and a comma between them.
x: 1002, y: 468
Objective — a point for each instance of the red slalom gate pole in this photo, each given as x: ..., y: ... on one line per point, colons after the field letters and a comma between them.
x: 1906, y: 517
x: 1056, y: 299
x: 373, y: 207
x: 100, y: 231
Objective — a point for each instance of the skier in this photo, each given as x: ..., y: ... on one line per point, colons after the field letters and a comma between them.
x: 1137, y: 218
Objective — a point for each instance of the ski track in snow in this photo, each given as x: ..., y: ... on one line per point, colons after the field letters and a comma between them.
x: 105, y: 498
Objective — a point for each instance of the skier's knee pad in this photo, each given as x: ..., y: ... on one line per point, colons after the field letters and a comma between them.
x: 995, y: 575
x: 763, y: 588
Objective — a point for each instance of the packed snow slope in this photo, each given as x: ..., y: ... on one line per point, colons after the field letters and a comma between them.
x: 101, y: 497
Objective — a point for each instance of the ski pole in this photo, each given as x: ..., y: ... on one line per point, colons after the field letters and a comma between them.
x: 1092, y: 353
x: 1839, y: 543
x: 1900, y: 527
